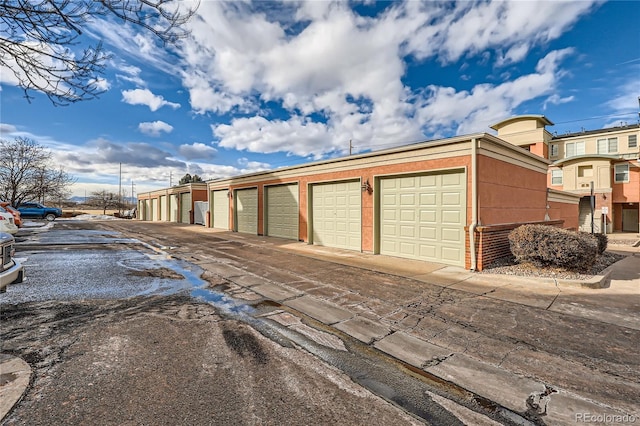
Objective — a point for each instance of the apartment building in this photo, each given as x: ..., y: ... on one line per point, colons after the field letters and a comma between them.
x: 604, y: 162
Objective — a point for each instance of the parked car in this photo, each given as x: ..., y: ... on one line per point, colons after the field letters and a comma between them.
x: 10, y: 270
x: 16, y: 214
x: 7, y: 223
x: 38, y: 211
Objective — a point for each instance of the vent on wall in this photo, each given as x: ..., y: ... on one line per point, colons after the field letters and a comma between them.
x: 585, y: 185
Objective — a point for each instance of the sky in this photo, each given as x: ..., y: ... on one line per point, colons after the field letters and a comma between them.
x: 262, y: 85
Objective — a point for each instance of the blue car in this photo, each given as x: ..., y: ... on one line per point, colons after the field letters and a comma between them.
x: 38, y: 211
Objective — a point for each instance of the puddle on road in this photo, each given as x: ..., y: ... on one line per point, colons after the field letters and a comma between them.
x: 189, y: 279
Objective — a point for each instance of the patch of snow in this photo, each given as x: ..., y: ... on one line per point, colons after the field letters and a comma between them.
x: 95, y: 217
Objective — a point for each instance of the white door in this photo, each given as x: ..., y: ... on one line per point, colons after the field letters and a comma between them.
x: 220, y: 209
x: 246, y: 201
x: 147, y: 209
x: 423, y: 217
x: 162, y: 213
x: 200, y: 209
x: 154, y: 209
x: 282, y: 211
x: 336, y: 215
x: 185, y: 207
x: 173, y: 208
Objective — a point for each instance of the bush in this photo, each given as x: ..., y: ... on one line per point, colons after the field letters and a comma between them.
x: 545, y: 245
x: 603, y: 241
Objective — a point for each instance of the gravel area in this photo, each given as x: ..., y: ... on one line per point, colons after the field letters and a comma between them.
x: 632, y: 243
x: 508, y: 266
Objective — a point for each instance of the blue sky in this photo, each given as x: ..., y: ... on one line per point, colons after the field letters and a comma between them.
x: 269, y: 84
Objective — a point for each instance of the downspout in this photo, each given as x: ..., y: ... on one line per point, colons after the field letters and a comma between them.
x: 474, y: 204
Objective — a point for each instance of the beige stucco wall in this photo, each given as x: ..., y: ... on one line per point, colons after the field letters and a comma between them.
x: 591, y: 143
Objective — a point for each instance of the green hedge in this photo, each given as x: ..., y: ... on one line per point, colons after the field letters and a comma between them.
x: 545, y: 245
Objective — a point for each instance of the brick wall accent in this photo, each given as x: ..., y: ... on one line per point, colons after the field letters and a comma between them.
x: 492, y: 241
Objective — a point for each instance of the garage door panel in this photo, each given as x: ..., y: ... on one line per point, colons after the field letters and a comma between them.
x: 453, y: 235
x: 336, y: 214
x: 423, y: 217
x: 451, y: 199
x: 220, y: 209
x: 451, y: 216
x: 185, y: 207
x: 282, y: 211
x: 451, y: 254
x: 428, y: 251
x: 427, y: 199
x: 247, y: 210
x: 452, y: 179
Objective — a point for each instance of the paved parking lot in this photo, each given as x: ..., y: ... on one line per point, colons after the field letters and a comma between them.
x: 114, y: 328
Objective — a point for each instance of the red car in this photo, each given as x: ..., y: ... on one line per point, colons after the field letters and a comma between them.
x: 16, y: 214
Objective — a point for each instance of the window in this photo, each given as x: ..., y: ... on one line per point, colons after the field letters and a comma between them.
x: 633, y: 141
x: 585, y: 171
x: 553, y: 150
x: 574, y: 148
x: 556, y: 177
x: 622, y: 173
x: 607, y: 146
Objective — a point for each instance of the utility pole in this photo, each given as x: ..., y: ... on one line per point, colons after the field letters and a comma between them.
x: 133, y: 198
x: 170, y: 178
x: 120, y: 191
x: 350, y: 147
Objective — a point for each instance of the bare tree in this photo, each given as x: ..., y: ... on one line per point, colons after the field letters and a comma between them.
x: 103, y: 200
x: 38, y: 38
x: 27, y: 173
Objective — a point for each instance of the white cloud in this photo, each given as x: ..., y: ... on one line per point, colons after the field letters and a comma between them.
x: 626, y: 97
x: 130, y: 73
x: 102, y: 84
x: 257, y: 134
x: 7, y: 129
x: 197, y: 151
x: 146, y: 97
x: 473, y: 111
x: 340, y: 75
x: 155, y: 128
x: 555, y: 99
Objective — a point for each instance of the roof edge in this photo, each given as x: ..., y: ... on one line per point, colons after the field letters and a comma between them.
x: 541, y: 118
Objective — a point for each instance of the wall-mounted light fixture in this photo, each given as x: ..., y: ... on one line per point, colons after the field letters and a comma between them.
x: 604, y: 196
x: 229, y: 194
x: 366, y: 187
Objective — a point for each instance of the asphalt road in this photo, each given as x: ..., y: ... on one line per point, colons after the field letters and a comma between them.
x: 117, y: 332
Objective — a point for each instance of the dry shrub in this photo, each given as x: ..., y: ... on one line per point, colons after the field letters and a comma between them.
x: 545, y: 245
x: 603, y: 242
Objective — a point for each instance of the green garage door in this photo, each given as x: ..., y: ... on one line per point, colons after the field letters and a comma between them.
x: 162, y: 213
x: 185, y: 207
x: 220, y: 209
x: 247, y: 210
x: 282, y: 211
x: 336, y: 215
x: 423, y: 217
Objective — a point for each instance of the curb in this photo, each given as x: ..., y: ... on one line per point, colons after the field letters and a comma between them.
x: 15, y: 375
